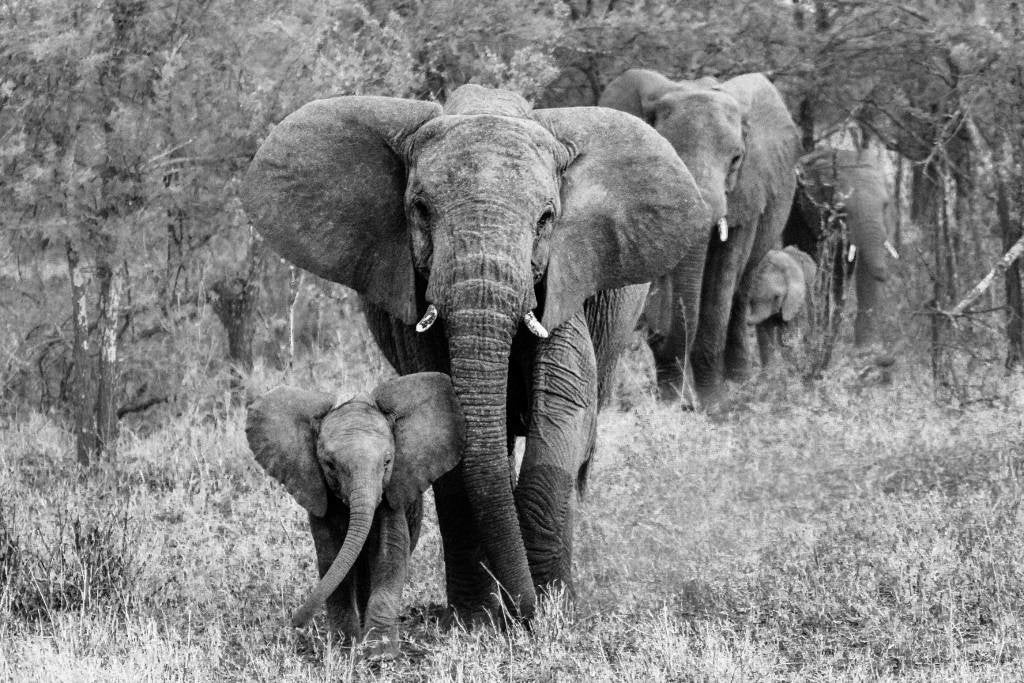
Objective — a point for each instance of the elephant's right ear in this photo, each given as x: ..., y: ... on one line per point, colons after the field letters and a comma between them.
x: 636, y: 92
x: 630, y: 208
x: 795, y: 288
x: 429, y: 431
x: 327, y: 191
x: 281, y: 428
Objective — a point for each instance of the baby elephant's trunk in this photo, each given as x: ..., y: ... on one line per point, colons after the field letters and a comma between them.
x: 362, y: 505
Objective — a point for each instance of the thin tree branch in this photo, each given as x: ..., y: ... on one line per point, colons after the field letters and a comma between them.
x: 1000, y: 267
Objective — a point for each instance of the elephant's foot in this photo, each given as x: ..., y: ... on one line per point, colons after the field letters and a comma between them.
x: 739, y: 373
x: 381, y: 642
x: 343, y: 620
x: 669, y: 392
x: 711, y: 395
x: 671, y: 379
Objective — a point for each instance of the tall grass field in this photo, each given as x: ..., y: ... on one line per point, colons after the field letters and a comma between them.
x: 848, y: 529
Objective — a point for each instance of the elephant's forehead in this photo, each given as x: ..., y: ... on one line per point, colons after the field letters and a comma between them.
x: 460, y: 153
x: 712, y: 112
x: 355, y: 420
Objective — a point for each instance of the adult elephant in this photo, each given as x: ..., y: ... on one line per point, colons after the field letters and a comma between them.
x: 829, y: 177
x: 519, y: 240
x: 738, y: 140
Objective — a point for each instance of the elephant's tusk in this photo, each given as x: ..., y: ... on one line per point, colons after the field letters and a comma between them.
x: 852, y: 253
x: 428, y: 319
x: 534, y: 326
x: 892, y: 250
x: 723, y: 229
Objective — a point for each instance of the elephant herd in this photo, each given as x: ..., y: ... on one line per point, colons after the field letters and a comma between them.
x: 504, y: 256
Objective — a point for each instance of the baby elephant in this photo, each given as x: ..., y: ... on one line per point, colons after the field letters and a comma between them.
x: 780, y: 299
x: 359, y: 469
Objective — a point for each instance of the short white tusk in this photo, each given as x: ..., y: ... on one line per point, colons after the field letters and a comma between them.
x: 534, y: 326
x: 852, y: 253
x: 428, y: 319
x: 723, y: 229
x: 892, y: 250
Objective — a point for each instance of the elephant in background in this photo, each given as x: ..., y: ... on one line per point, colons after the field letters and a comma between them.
x: 850, y: 181
x: 522, y: 242
x: 780, y: 299
x: 359, y: 469
x: 740, y: 143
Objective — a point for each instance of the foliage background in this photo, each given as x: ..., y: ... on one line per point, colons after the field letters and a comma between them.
x: 863, y: 526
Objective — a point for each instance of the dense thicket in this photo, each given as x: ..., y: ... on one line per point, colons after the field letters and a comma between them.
x: 125, y: 125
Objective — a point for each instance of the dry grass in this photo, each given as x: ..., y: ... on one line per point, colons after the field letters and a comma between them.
x: 837, y: 532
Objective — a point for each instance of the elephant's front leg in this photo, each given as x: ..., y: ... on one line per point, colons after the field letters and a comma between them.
x: 471, y: 590
x: 560, y: 439
x: 670, y: 354
x: 737, y: 359
x: 389, y: 570
x: 611, y: 318
x: 721, y: 272
x: 767, y: 334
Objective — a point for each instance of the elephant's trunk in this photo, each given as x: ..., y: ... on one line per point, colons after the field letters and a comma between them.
x: 362, y: 505
x: 491, y: 292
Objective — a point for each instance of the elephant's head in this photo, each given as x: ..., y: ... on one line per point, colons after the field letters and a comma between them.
x: 484, y: 215
x: 706, y: 125
x: 779, y: 285
x: 389, y: 446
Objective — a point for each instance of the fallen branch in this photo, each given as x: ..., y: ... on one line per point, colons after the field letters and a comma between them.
x: 140, y: 406
x: 999, y: 268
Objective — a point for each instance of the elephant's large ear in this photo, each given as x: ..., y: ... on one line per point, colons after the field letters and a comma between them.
x: 636, y: 91
x: 281, y: 428
x: 630, y: 208
x: 429, y: 432
x: 327, y: 191
x: 795, y: 289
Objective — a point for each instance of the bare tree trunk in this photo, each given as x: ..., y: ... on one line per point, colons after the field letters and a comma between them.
x: 175, y: 265
x: 897, y: 204
x: 294, y: 282
x: 110, y: 283
x: 1011, y: 233
x: 94, y: 359
x: 942, y: 283
x: 805, y: 119
x: 82, y: 384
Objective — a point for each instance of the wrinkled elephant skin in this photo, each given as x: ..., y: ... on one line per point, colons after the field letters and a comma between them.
x: 740, y: 143
x: 493, y: 225
x: 360, y: 468
x: 852, y: 177
x: 780, y: 300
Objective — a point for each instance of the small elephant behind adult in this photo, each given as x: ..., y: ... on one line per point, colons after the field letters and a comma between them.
x: 780, y: 299
x: 359, y: 469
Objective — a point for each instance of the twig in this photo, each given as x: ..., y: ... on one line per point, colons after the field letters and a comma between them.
x: 1000, y: 267
x: 140, y: 406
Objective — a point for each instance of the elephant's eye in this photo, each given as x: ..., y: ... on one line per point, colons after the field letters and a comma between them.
x: 734, y: 163
x: 545, y: 219
x: 419, y: 212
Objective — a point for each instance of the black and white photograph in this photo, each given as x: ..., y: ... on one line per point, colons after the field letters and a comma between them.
x: 511, y: 340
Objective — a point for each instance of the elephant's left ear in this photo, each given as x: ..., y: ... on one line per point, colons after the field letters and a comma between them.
x: 281, y: 427
x: 429, y: 431
x: 630, y: 207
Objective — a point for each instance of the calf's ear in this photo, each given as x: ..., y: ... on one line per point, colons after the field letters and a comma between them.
x: 429, y: 431
x: 281, y: 428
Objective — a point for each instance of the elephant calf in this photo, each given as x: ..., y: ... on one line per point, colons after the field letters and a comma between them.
x: 780, y: 299
x: 359, y: 469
